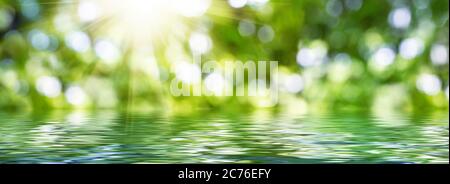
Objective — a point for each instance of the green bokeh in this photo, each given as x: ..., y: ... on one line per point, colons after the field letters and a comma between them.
x: 349, y: 33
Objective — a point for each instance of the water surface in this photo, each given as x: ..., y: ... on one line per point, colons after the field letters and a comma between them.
x: 108, y: 137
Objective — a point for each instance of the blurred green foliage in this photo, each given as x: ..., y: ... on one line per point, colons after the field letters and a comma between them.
x: 377, y: 55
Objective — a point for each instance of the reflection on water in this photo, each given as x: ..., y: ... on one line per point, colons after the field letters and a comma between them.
x: 106, y: 137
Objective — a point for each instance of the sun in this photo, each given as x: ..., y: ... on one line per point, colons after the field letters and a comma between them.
x: 139, y: 21
x: 139, y: 12
x: 135, y: 21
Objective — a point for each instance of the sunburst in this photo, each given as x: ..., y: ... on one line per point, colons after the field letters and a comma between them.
x: 134, y: 21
